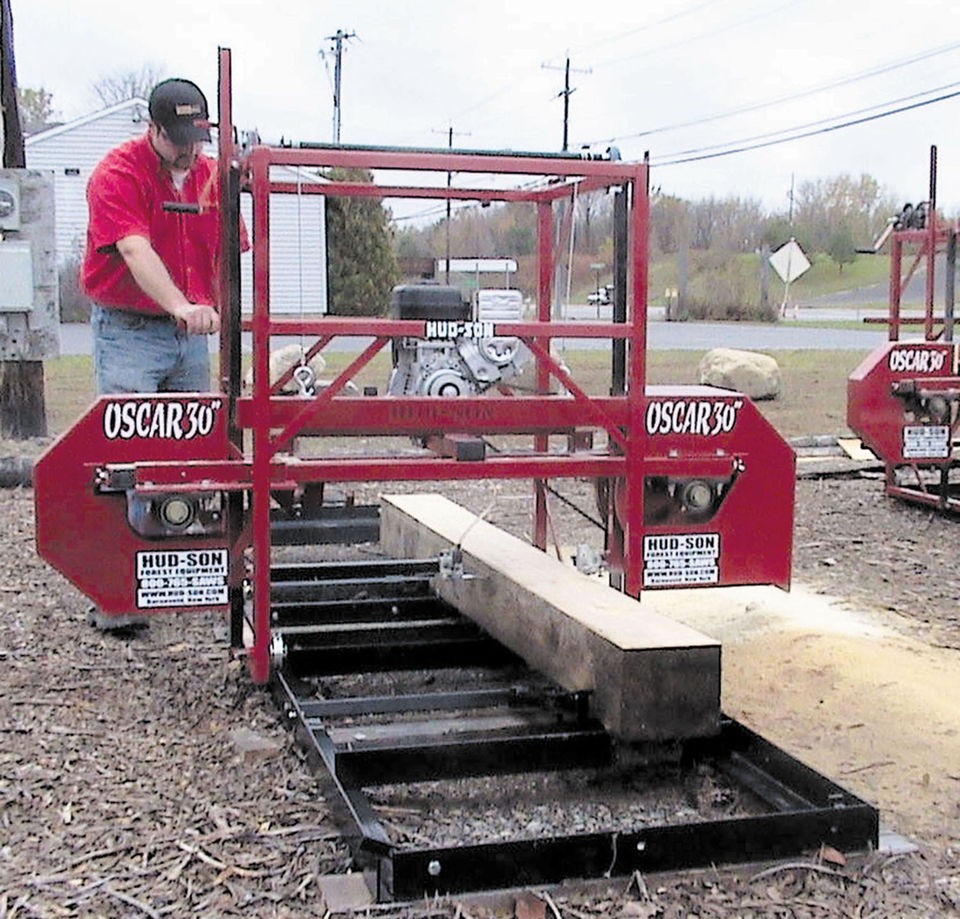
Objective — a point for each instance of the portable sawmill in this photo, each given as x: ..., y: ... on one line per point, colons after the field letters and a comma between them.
x: 903, y: 401
x: 697, y: 488
x: 197, y: 494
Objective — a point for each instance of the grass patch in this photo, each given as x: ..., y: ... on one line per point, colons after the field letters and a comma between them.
x: 813, y: 401
x: 854, y: 325
x: 69, y: 390
x: 825, y: 278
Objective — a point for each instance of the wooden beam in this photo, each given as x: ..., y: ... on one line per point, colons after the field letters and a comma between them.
x: 651, y: 678
x: 23, y: 411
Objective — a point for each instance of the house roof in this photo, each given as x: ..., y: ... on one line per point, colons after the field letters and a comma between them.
x: 48, y: 133
x: 291, y: 173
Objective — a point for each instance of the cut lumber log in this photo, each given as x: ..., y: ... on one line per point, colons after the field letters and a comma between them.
x: 650, y: 678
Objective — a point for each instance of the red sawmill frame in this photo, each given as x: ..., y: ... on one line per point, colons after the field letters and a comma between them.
x: 219, y: 462
x: 275, y: 421
x: 890, y: 393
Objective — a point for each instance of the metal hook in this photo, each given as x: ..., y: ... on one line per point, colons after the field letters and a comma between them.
x: 306, y: 379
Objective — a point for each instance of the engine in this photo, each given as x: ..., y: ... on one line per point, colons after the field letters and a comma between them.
x: 460, y: 355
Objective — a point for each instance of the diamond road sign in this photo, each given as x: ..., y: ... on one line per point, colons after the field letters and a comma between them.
x: 789, y: 262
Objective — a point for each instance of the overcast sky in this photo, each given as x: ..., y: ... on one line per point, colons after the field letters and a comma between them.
x: 668, y: 77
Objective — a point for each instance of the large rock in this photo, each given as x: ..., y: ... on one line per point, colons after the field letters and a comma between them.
x: 755, y: 375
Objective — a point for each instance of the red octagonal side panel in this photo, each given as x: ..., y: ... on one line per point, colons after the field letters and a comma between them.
x: 874, y: 413
x: 85, y: 533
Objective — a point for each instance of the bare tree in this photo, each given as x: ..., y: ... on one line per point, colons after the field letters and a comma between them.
x: 36, y: 109
x: 134, y: 84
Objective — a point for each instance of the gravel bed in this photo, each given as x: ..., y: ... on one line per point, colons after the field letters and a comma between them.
x: 518, y: 807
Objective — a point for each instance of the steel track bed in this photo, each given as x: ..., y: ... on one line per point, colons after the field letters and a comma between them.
x: 470, y: 711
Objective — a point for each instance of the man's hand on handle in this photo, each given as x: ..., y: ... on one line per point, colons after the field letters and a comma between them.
x: 197, y: 318
x: 154, y: 280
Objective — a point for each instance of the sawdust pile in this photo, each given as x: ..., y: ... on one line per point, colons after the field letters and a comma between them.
x: 145, y: 777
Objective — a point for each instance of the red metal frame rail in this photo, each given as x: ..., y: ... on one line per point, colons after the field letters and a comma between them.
x: 183, y: 485
x: 274, y: 421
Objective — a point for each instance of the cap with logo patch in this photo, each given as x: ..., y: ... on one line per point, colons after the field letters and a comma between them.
x: 180, y: 108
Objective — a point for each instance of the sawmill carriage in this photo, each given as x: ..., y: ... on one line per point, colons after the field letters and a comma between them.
x: 195, y: 494
x: 903, y: 401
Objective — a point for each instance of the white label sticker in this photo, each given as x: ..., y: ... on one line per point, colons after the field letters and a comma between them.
x: 182, y: 578
x: 925, y: 441
x: 159, y: 420
x: 702, y: 417
x: 681, y: 559
x: 451, y: 328
x: 917, y: 360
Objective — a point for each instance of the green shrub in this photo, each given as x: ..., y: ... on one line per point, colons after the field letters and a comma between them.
x: 74, y: 303
x: 728, y: 289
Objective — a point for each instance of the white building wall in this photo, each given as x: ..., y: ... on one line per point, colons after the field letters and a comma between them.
x: 71, y: 152
x: 298, y: 281
x: 298, y: 246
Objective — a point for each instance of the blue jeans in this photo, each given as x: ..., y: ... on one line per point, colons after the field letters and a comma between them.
x: 139, y: 352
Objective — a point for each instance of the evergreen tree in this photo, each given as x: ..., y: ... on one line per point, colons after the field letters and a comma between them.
x: 361, y: 264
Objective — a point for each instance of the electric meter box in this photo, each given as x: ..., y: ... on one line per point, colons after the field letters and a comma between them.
x: 9, y: 204
x: 16, y: 276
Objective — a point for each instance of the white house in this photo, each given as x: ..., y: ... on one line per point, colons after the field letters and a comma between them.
x: 298, y: 281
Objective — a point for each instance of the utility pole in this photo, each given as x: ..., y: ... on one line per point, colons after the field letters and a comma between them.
x: 23, y: 411
x: 450, y: 132
x: 566, y: 93
x: 337, y: 51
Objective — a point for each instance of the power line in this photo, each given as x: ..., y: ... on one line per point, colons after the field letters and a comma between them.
x: 620, y: 36
x: 756, y: 106
x: 803, y: 135
x: 817, y: 123
x: 712, y: 33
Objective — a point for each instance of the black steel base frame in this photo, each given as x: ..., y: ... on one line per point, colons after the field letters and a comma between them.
x: 803, y: 809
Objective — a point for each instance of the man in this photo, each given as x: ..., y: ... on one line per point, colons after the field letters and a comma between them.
x: 151, y: 266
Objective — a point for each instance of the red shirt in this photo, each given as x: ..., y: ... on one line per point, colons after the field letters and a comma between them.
x: 125, y: 197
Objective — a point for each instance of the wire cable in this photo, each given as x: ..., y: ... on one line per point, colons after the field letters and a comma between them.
x: 620, y: 36
x: 814, y: 124
x: 803, y: 135
x: 792, y: 97
x: 683, y: 42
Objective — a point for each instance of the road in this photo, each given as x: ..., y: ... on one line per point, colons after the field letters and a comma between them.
x: 661, y: 336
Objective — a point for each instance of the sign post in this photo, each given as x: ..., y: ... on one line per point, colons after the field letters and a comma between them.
x: 597, y: 267
x: 790, y: 262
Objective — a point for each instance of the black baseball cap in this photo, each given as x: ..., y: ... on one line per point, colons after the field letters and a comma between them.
x: 180, y: 108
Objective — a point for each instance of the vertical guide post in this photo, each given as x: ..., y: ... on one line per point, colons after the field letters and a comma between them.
x: 618, y: 368
x: 896, y: 269
x: 446, y: 273
x: 262, y: 446
x: 228, y: 178
x: 930, y: 287
x: 950, y: 281
x: 544, y: 309
x: 637, y: 378
x: 619, y: 308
